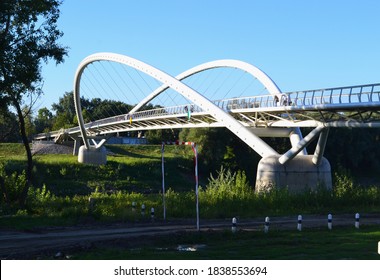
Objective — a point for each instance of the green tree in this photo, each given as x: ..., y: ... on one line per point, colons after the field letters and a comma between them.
x: 354, y: 149
x: 64, y: 111
x: 211, y: 142
x: 92, y: 110
x: 28, y: 121
x: 28, y: 37
x: 100, y: 109
x: 8, y: 126
x: 219, y: 146
x: 43, y: 121
x: 157, y: 136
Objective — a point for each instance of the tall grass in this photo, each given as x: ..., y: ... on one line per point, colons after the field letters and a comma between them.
x: 225, y: 196
x: 64, y: 188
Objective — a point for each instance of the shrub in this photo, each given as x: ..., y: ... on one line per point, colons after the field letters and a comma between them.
x: 228, y: 185
x: 344, y: 183
x: 12, y: 183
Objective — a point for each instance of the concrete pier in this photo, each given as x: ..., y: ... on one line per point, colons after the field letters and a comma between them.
x: 92, y: 156
x: 297, y: 175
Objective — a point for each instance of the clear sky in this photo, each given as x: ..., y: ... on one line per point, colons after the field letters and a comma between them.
x: 299, y: 44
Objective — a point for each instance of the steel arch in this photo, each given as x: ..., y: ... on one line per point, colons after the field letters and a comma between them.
x: 232, y: 124
x: 264, y: 79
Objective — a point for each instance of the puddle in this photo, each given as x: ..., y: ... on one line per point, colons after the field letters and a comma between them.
x: 190, y: 248
x: 162, y: 249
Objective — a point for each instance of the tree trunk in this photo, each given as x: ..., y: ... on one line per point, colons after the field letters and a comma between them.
x: 4, y: 190
x: 24, y: 193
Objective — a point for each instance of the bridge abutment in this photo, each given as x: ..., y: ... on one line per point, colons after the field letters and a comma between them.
x: 297, y: 175
x: 95, y: 156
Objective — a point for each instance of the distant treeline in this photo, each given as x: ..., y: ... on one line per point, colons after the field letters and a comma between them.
x: 354, y: 151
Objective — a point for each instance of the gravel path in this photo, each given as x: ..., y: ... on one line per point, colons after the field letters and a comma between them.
x: 43, y: 148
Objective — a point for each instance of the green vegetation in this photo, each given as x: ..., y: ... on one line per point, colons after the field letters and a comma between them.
x: 29, y: 37
x: 63, y: 188
x: 133, y: 174
x: 341, y: 243
x: 11, y: 150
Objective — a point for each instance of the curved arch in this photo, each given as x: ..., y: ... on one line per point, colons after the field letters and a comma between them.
x: 232, y: 124
x: 264, y: 79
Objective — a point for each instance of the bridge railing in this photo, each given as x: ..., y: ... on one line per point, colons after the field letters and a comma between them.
x: 342, y: 95
x: 330, y: 96
x: 246, y: 102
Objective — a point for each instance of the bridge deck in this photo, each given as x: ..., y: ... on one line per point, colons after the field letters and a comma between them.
x: 345, y: 106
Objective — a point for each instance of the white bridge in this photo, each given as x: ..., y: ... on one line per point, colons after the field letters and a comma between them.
x: 274, y: 114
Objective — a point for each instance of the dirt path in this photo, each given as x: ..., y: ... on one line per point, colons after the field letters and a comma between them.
x: 26, y: 245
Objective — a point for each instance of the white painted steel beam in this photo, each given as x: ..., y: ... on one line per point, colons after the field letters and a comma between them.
x: 231, y: 123
x: 320, y: 148
x: 271, y: 132
x: 254, y: 71
x: 296, y: 137
x: 301, y: 145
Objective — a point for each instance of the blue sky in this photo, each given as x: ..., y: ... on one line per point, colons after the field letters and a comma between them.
x: 299, y: 44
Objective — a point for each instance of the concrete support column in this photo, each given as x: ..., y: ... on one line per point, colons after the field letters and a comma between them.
x: 95, y: 156
x: 77, y: 144
x: 320, y: 148
x: 297, y: 175
x: 295, y: 137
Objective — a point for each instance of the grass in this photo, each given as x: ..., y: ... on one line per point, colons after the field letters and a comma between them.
x: 312, y: 244
x: 11, y: 150
x: 130, y: 169
x: 62, y: 189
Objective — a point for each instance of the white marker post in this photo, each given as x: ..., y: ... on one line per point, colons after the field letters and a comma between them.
x: 194, y: 148
x: 152, y: 213
x: 329, y: 221
x: 163, y: 178
x: 266, y: 226
x: 357, y: 218
x: 143, y: 209
x: 299, y: 223
x: 91, y: 202
x: 133, y: 206
x: 233, y: 228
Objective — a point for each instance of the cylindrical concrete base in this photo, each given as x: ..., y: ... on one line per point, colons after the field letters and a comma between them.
x: 297, y: 175
x: 92, y: 155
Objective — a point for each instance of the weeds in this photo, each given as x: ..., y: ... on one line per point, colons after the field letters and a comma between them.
x: 64, y: 188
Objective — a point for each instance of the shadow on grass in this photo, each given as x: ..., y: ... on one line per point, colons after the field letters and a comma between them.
x: 120, y: 152
x: 313, y: 244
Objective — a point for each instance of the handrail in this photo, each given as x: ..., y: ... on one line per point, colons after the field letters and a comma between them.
x: 369, y: 93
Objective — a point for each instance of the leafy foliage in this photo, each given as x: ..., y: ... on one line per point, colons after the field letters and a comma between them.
x: 8, y: 126
x: 354, y: 149
x: 44, y: 120
x: 28, y: 37
x: 228, y: 185
x: 134, y: 175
